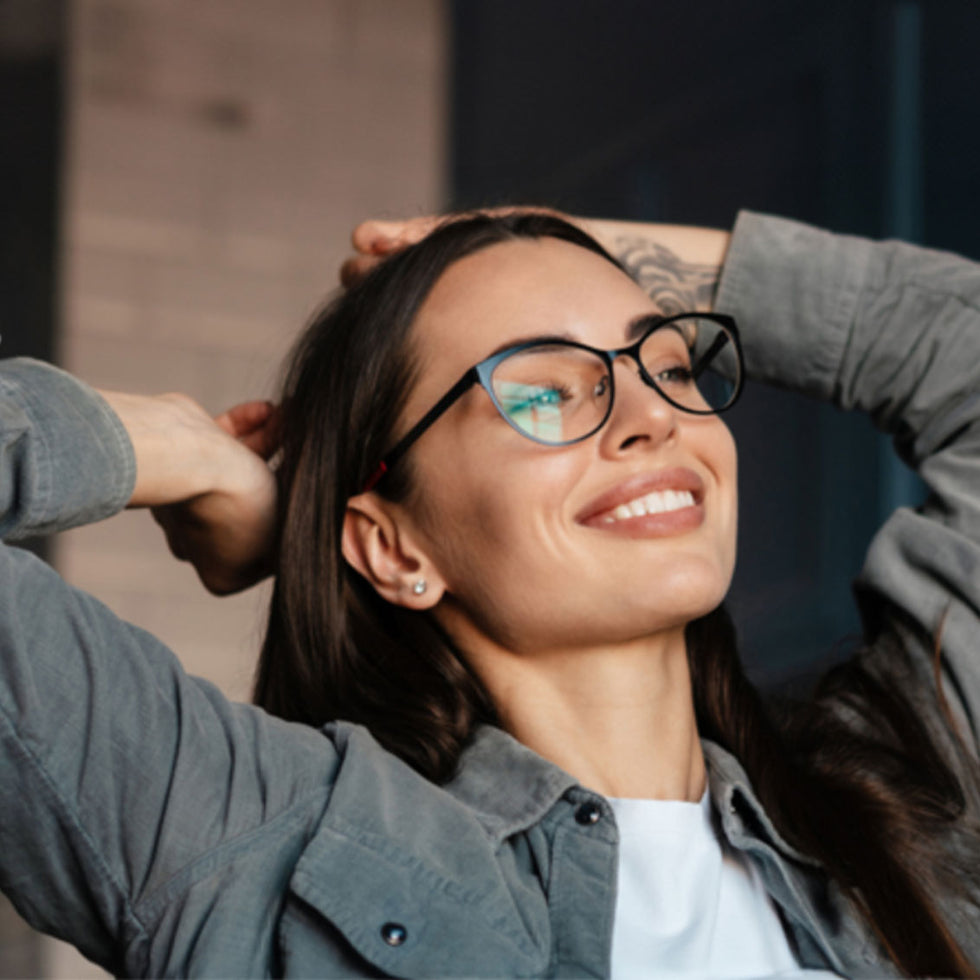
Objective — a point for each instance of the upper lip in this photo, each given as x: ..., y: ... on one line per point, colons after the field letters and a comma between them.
x: 675, y: 478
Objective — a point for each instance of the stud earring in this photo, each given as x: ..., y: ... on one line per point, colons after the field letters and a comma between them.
x: 420, y: 586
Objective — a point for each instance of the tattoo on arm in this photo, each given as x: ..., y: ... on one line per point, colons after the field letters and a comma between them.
x: 674, y: 285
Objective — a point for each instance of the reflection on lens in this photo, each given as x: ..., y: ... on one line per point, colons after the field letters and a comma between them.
x: 534, y: 409
x: 553, y: 393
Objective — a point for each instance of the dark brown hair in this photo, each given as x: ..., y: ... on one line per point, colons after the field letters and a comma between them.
x: 861, y: 775
x: 335, y: 649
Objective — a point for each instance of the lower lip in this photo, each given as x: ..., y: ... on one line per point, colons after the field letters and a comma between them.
x: 661, y: 525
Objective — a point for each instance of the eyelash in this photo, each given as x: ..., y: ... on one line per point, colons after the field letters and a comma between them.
x: 548, y: 389
x: 682, y: 374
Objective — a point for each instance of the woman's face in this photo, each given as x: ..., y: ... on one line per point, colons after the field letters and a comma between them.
x: 526, y: 537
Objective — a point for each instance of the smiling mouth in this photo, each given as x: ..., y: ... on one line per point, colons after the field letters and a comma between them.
x: 656, y: 502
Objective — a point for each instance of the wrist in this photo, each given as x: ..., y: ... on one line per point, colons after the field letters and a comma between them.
x: 173, y: 442
x: 678, y: 265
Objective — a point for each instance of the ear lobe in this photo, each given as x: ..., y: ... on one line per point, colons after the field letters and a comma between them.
x: 376, y: 546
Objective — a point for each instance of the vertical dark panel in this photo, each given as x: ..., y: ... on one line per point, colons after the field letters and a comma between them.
x: 32, y: 52
x: 31, y: 58
x: 951, y: 128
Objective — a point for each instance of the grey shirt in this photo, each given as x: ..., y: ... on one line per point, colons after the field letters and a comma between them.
x: 166, y: 831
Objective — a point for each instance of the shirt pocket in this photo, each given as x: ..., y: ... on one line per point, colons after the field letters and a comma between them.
x: 358, y: 906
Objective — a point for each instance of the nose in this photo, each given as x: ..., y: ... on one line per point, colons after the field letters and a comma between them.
x: 641, y: 417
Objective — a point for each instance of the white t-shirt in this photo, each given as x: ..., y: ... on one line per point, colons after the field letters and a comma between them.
x: 687, y: 905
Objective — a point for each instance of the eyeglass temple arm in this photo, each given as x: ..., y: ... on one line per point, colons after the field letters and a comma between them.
x: 405, y: 443
x: 709, y: 355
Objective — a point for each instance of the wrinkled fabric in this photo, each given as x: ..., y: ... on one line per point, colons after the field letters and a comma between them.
x: 166, y: 831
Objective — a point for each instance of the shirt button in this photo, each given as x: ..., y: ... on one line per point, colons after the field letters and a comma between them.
x: 588, y: 813
x: 393, y: 933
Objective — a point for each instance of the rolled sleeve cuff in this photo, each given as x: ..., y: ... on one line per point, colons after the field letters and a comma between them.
x: 794, y: 290
x: 66, y: 457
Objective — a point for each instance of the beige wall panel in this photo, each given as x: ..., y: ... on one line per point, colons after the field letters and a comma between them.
x: 220, y: 152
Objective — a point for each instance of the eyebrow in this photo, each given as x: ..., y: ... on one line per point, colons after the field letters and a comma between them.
x: 639, y: 325
x: 634, y: 329
x: 533, y: 339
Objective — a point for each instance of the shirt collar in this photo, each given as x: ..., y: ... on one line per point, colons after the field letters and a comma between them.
x: 505, y: 784
x: 509, y: 788
x: 743, y: 818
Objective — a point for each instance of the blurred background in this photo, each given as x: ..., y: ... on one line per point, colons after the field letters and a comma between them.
x: 179, y: 178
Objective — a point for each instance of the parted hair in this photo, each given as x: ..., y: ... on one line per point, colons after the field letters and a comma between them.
x: 852, y: 776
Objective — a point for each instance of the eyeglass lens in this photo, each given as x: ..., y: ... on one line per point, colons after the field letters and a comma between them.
x: 557, y: 394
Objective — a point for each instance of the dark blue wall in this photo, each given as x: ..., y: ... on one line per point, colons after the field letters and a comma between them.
x: 860, y: 116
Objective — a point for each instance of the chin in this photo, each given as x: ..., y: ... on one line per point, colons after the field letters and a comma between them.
x: 691, y: 589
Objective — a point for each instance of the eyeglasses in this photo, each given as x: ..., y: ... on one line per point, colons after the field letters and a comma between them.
x: 559, y: 392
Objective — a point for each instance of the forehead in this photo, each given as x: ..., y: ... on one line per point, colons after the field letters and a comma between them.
x: 519, y: 289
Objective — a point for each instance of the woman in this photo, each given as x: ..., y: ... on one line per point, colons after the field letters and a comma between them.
x: 510, y: 578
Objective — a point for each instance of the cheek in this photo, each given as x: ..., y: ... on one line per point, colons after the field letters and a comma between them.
x: 500, y: 513
x: 730, y: 485
x: 714, y: 446
x: 496, y: 531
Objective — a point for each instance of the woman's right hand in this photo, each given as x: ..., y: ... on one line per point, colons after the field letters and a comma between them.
x: 207, y: 482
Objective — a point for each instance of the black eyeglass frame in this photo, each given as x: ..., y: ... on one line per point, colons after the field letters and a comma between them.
x: 482, y: 374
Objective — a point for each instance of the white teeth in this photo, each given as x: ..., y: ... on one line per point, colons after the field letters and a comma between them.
x: 658, y: 502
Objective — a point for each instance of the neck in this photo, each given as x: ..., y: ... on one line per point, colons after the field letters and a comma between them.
x: 619, y: 719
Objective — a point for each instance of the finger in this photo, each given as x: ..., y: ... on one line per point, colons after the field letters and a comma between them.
x: 267, y: 438
x: 165, y: 518
x: 418, y: 228
x: 240, y: 420
x: 356, y: 268
x: 374, y: 237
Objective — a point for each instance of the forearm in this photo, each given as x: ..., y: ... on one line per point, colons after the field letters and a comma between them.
x: 172, y: 439
x: 678, y: 265
x: 894, y: 331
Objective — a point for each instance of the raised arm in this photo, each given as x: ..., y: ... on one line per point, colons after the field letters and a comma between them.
x: 892, y: 330
x: 679, y: 265
x: 118, y: 772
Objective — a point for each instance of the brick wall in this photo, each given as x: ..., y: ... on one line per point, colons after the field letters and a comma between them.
x: 220, y: 152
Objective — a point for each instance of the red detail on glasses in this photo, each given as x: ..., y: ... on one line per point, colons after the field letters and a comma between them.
x: 372, y: 480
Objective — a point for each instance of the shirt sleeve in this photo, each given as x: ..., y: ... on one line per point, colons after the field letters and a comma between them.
x: 65, y: 458
x: 893, y: 330
x: 118, y: 771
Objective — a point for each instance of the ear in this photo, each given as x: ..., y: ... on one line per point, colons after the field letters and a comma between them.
x: 378, y: 543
